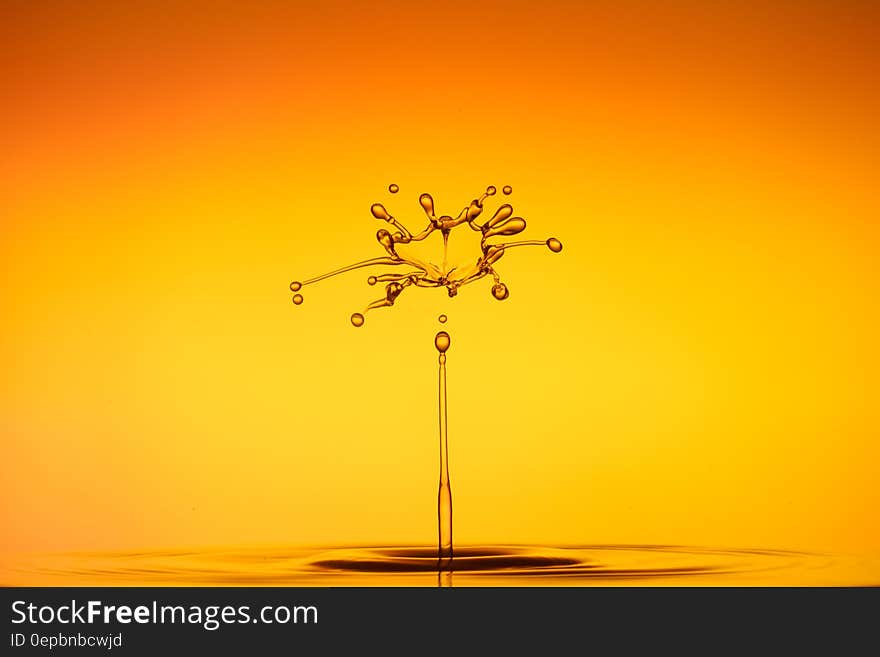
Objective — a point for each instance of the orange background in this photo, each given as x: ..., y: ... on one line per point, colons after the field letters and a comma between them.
x: 699, y: 365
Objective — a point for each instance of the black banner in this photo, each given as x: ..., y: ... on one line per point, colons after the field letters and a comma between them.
x: 409, y: 620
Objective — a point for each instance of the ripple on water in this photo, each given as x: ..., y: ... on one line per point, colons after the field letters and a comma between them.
x: 591, y: 563
x: 489, y: 565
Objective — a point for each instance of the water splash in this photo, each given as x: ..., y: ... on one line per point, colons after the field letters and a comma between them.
x: 424, y: 273
x: 429, y: 274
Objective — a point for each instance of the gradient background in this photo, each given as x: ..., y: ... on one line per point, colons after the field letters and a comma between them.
x: 698, y: 366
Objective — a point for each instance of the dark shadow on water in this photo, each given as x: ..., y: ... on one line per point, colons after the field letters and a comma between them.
x: 410, y: 560
x: 591, y: 561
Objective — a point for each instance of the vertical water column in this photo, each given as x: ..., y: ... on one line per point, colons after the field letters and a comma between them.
x: 444, y: 495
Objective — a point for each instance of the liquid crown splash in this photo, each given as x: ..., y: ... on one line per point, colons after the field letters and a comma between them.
x: 423, y: 273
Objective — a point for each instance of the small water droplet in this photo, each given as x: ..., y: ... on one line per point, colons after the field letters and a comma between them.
x: 507, y: 189
x: 500, y: 291
x: 442, y: 319
x: 490, y: 190
x: 554, y: 245
x: 371, y: 280
x: 508, y: 227
x: 295, y: 286
x: 297, y: 299
x: 384, y: 238
x: 357, y: 319
x: 501, y: 214
x: 393, y: 188
x: 427, y: 203
x: 379, y: 211
x: 442, y: 341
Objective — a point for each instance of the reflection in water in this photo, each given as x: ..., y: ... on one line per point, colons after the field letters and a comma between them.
x: 503, y: 565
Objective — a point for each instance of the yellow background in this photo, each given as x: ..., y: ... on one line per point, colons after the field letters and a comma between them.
x: 698, y: 366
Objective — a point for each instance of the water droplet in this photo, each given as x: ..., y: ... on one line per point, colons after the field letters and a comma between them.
x: 427, y: 203
x: 508, y: 227
x: 295, y: 286
x: 554, y: 245
x: 357, y: 319
x: 371, y: 280
x: 393, y: 188
x: 384, y: 238
x: 490, y: 190
x: 507, y: 189
x: 501, y: 214
x: 297, y: 299
x: 379, y: 211
x: 442, y: 319
x: 442, y: 341
x: 500, y: 291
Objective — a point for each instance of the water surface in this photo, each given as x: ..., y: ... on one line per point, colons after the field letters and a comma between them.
x: 486, y: 565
